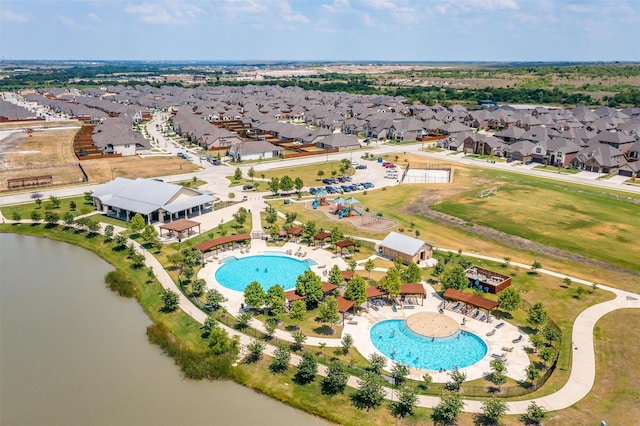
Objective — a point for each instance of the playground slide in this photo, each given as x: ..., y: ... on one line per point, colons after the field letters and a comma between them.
x: 342, y: 214
x: 315, y: 204
x: 357, y: 212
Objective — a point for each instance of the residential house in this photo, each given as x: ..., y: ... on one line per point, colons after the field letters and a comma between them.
x: 255, y: 150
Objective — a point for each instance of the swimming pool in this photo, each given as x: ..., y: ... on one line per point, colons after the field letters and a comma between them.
x: 396, y: 341
x: 237, y: 273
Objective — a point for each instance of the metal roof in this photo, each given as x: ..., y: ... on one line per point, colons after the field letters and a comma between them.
x: 402, y: 243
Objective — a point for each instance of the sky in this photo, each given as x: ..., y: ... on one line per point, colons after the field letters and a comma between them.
x: 321, y: 30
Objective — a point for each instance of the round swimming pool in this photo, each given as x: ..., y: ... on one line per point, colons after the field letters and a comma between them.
x: 268, y: 270
x: 394, y: 339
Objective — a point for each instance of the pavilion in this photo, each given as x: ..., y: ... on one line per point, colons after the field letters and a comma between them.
x: 221, y: 242
x: 179, y: 227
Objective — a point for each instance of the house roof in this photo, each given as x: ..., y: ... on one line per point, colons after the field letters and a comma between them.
x: 403, y: 243
x: 255, y: 147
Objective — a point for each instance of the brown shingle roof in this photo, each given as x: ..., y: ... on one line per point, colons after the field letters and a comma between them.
x: 180, y: 225
x: 413, y: 288
x: 208, y: 245
x: 471, y: 299
x: 344, y: 304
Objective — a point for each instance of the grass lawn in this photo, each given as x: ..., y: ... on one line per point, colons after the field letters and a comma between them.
x: 598, y: 217
x: 308, y: 173
x: 310, y: 325
x: 24, y: 210
x: 557, y: 169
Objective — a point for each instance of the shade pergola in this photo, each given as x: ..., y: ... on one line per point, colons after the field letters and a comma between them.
x: 345, y: 244
x: 179, y: 226
x: 344, y: 305
x: 292, y: 296
x: 218, y: 242
x: 328, y: 287
x: 413, y: 289
x: 470, y: 299
x: 346, y: 275
x: 296, y: 231
x: 322, y: 236
x: 374, y: 293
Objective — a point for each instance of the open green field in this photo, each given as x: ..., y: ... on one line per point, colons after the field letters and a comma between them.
x: 588, y: 221
x: 24, y: 210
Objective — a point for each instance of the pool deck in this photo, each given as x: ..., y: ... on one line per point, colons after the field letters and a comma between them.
x: 432, y: 324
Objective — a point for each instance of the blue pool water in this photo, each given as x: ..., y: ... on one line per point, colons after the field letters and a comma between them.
x: 268, y: 270
x: 413, y: 350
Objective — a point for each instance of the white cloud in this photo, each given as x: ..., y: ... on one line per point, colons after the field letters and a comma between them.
x: 336, y: 6
x: 7, y: 15
x: 241, y: 7
x: 94, y: 17
x: 166, y: 12
x: 69, y: 22
x: 475, y: 6
x: 368, y: 21
x: 380, y: 4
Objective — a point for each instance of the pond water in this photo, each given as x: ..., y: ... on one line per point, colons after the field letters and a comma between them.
x: 74, y: 353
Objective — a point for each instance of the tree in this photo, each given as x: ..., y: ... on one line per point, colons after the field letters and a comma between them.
x: 497, y: 376
x: 507, y: 261
x: 281, y: 358
x: 547, y: 354
x: 537, y: 316
x: 309, y: 230
x: 535, y: 414
x: 237, y: 175
x: 241, y: 216
x: 51, y: 218
x: 320, y: 173
x: 347, y: 343
x: 329, y: 311
x: 391, y: 282
x: 426, y: 381
x: 352, y: 266
x: 298, y: 340
x: 197, y: 287
x: 370, y: 393
x: 412, y: 274
x: 448, y: 410
x: 335, y: 275
x: 369, y: 266
x: 255, y: 348
x: 108, y: 231
x: 298, y: 184
x: 309, y: 285
x: 336, y: 380
x: 137, y: 260
x: 406, y: 403
x: 251, y: 173
x: 274, y: 185
x: 88, y: 197
x: 454, y: 277
x: 533, y: 373
x: 39, y: 202
x: 273, y: 232
x: 270, y: 326
x: 136, y: 224
x: 336, y: 235
x: 210, y: 322
x: 298, y: 310
x: 399, y: 373
x: 286, y: 184
x: 231, y: 195
x: 535, y: 266
x: 55, y: 201
x: 509, y: 300
x: 567, y: 281
x: 214, y: 299
x: 493, y: 409
x: 149, y: 234
x: 275, y: 300
x: 438, y: 268
x: 36, y: 216
x: 356, y: 290
x: 93, y: 226
x: 458, y: 377
x: 15, y: 216
x: 376, y: 363
x: 120, y: 241
x: 170, y: 299
x: 220, y: 342
x: 550, y: 333
x: 579, y: 292
x: 254, y: 295
x: 307, y: 369
x: 243, y: 320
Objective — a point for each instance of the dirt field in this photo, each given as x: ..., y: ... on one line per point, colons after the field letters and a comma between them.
x: 133, y: 167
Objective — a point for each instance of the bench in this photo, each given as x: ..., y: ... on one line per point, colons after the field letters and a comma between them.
x: 408, y: 307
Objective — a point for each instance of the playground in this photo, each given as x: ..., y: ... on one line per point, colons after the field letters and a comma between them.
x: 349, y: 210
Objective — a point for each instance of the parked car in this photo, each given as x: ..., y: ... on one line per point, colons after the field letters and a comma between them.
x: 346, y: 188
x: 368, y: 185
x: 248, y: 187
x: 331, y: 189
x: 359, y: 186
x: 313, y: 191
x: 327, y: 181
x: 361, y: 166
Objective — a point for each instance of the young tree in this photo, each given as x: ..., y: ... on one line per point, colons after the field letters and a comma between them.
x: 170, y: 299
x: 412, y: 274
x: 275, y: 300
x: 347, y: 343
x: 120, y: 241
x: 270, y: 326
x: 336, y: 380
x: 255, y: 348
x: 309, y: 285
x: 391, y: 282
x: 93, y: 226
x: 547, y: 354
x: 493, y: 409
x: 454, y: 277
x: 497, y: 376
x: 286, y: 184
x: 274, y: 185
x: 537, y: 316
x: 399, y: 373
x: 51, y: 217
x: 509, y: 300
x: 243, y: 320
x: 137, y: 260
x: 533, y: 373
x: 237, y: 175
x: 149, y: 234
x: 309, y: 230
x: 335, y: 275
x: 449, y: 409
x: 298, y: 340
x: 376, y: 363
x: 15, y: 216
x: 281, y: 358
x: 438, y: 268
x: 550, y: 333
x: 220, y: 342
x: 241, y: 216
x: 298, y: 184
x: 197, y: 287
x: 214, y: 299
x: 567, y: 281
x: 329, y: 311
x: 458, y: 377
x: 535, y: 266
x: 137, y: 223
x: 254, y: 295
x: 55, y: 201
x: 36, y: 216
x: 426, y: 381
x: 298, y: 310
x: 88, y: 197
x: 370, y: 393
x: 369, y: 266
x: 356, y: 290
x: 210, y: 322
x: 251, y: 173
x: 406, y: 403
x: 320, y: 174
x: 108, y: 231
x: 535, y: 414
x: 307, y: 369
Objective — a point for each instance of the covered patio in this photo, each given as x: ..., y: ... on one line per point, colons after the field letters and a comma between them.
x: 179, y: 227
x: 344, y: 305
x: 321, y: 236
x: 412, y: 289
x: 344, y: 246
x: 470, y: 299
x: 221, y: 243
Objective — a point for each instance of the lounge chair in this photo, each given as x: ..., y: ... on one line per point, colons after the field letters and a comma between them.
x: 507, y: 349
x: 518, y: 339
x: 395, y: 309
x: 375, y: 308
x: 499, y: 356
x: 501, y: 324
x: 492, y: 332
